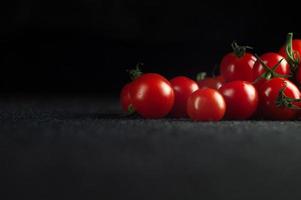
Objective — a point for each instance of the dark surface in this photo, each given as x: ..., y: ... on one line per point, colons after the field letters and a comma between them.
x: 82, y: 148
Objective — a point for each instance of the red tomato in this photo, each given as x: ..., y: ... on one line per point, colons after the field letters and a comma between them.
x: 183, y: 87
x: 211, y: 82
x: 237, y: 65
x: 125, y: 99
x: 270, y: 60
x: 296, y: 44
x: 206, y: 105
x: 268, y: 95
x: 293, y: 56
x: 241, y: 99
x: 152, y: 95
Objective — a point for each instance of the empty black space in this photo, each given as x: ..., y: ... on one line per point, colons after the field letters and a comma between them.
x: 87, y: 45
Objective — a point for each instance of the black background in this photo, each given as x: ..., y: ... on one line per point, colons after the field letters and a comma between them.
x: 87, y: 45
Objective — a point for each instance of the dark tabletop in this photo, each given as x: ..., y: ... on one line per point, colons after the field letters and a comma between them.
x: 81, y: 147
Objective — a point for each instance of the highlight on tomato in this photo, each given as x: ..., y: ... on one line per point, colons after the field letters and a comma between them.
x: 279, y: 99
x: 238, y: 64
x: 206, y: 105
x: 241, y: 99
x: 152, y: 95
x: 269, y: 65
x: 264, y: 71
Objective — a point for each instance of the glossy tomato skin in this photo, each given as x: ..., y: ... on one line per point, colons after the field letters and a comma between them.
x: 270, y: 59
x: 206, y: 105
x: 296, y: 44
x: 211, y: 82
x: 125, y: 97
x: 152, y: 95
x: 241, y: 99
x: 269, y: 93
x: 183, y: 87
x: 234, y: 68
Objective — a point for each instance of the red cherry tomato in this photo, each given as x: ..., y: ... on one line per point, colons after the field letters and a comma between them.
x: 270, y: 59
x: 211, y: 82
x: 294, y: 57
x: 268, y: 95
x: 206, y: 105
x: 296, y: 44
x: 183, y: 87
x: 241, y: 99
x: 152, y: 95
x: 125, y: 98
x: 237, y: 65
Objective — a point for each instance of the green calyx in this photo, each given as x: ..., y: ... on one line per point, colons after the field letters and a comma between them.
x: 135, y: 73
x: 270, y: 72
x: 131, y: 110
x: 239, y: 51
x: 201, y: 76
x: 285, y: 101
x: 293, y: 57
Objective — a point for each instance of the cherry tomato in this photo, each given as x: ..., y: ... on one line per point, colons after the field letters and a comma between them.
x: 241, y: 99
x: 268, y: 95
x: 293, y: 55
x: 183, y: 87
x: 237, y: 65
x: 206, y: 105
x: 125, y: 99
x: 270, y: 60
x: 296, y: 44
x: 152, y: 95
x: 211, y: 82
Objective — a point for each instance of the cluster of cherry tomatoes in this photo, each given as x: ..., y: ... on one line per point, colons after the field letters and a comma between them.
x: 248, y: 86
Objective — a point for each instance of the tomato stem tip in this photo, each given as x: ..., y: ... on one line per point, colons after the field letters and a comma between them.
x: 136, y: 72
x: 201, y: 76
x: 293, y: 57
x: 239, y: 51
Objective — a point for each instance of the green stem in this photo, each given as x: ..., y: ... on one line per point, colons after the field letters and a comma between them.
x: 292, y: 57
x: 270, y: 72
x: 135, y: 73
x: 239, y: 51
x: 201, y: 76
x: 285, y: 101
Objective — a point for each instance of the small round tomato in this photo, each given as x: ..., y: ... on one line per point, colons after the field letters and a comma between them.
x: 125, y: 99
x: 292, y: 52
x: 275, y: 62
x: 211, y: 82
x: 152, y: 95
x: 206, y: 105
x: 237, y: 65
x: 183, y: 87
x: 241, y: 99
x: 273, y: 104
